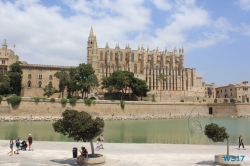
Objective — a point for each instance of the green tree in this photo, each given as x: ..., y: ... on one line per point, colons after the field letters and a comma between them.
x: 139, y: 87
x: 15, y: 75
x: 83, y: 72
x: 63, y: 77
x: 72, y: 84
x: 161, y: 77
x: 49, y: 90
x: 80, y: 126
x: 217, y: 134
x: 4, y: 83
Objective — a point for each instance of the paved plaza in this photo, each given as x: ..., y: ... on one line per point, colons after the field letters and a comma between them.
x: 119, y: 154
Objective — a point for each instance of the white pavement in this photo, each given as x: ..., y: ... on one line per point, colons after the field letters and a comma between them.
x: 120, y: 154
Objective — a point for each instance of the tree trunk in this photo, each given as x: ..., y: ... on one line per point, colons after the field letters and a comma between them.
x: 92, y: 148
x: 82, y: 94
x: 62, y: 92
x: 227, y: 147
x: 141, y: 97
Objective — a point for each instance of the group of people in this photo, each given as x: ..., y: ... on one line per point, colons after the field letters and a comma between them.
x: 84, y: 151
x: 17, y: 142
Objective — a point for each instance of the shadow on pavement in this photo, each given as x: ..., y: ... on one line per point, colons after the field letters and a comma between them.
x: 67, y: 161
x: 209, y: 162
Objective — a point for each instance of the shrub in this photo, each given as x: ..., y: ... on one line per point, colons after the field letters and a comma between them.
x: 52, y: 100
x: 215, y: 100
x: 93, y: 102
x: 153, y: 98
x: 93, y: 98
x: 37, y: 99
x: 63, y: 101
x: 88, y: 101
x: 181, y: 100
x: 44, y: 99
x: 225, y: 100
x: 232, y: 101
x: 1, y: 98
x: 122, y: 104
x: 72, y: 100
x: 14, y: 100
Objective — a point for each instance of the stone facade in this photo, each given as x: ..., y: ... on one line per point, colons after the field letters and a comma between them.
x: 35, y: 76
x: 7, y: 57
x: 240, y: 92
x: 147, y: 65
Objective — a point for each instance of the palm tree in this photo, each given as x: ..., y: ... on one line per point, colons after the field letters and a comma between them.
x: 161, y: 77
x: 91, y: 82
x: 63, y: 77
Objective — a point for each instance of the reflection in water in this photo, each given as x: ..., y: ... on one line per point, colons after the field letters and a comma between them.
x: 171, y: 131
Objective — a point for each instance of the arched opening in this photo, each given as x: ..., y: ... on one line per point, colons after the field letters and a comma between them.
x: 210, y: 110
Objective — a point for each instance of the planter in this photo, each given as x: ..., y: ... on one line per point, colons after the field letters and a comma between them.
x: 98, y: 159
x: 219, y: 159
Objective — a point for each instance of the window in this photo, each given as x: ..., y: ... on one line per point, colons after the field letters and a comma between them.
x: 3, y: 61
x: 111, y: 56
x: 135, y: 68
x: 40, y: 76
x: 132, y: 57
x: 120, y: 56
x: 101, y: 56
x: 29, y: 76
x: 29, y: 84
x: 50, y: 77
x: 39, y: 84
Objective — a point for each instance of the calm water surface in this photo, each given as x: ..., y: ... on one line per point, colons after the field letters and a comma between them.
x: 172, y: 131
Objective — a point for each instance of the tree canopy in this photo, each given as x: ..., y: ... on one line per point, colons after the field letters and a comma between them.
x: 80, y: 126
x: 11, y: 83
x: 122, y: 81
x: 216, y: 133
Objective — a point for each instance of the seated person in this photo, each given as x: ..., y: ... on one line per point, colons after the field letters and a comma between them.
x: 23, y: 145
x: 84, y: 154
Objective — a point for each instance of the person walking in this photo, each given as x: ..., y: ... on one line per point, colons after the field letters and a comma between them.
x: 17, y: 145
x: 11, y: 147
x: 30, y: 141
x: 240, y: 140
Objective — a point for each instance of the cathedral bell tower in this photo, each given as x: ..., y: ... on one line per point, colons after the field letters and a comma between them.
x: 92, y: 50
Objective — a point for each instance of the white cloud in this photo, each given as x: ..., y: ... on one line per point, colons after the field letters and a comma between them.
x: 162, y: 4
x: 43, y: 35
x: 244, y: 4
x: 245, y: 29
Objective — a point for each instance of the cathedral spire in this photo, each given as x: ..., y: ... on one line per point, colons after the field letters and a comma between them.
x: 91, y: 34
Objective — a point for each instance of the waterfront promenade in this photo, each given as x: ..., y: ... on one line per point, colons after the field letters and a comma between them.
x: 120, y: 154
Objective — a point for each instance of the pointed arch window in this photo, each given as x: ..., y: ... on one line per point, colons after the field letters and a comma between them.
x: 111, y: 56
x: 135, y: 68
x: 101, y: 56
x: 39, y: 84
x: 132, y: 57
x: 121, y: 56
x: 29, y: 84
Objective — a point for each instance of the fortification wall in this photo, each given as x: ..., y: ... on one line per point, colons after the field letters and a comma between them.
x: 132, y: 108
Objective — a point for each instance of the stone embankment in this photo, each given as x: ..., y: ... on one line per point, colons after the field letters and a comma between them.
x: 24, y: 119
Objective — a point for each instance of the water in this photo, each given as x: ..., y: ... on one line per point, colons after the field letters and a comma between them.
x: 171, y: 131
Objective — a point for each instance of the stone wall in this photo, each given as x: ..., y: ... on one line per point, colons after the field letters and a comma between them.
x: 106, y: 108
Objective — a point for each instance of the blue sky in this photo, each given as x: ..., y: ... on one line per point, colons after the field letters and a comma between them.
x: 214, y: 34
